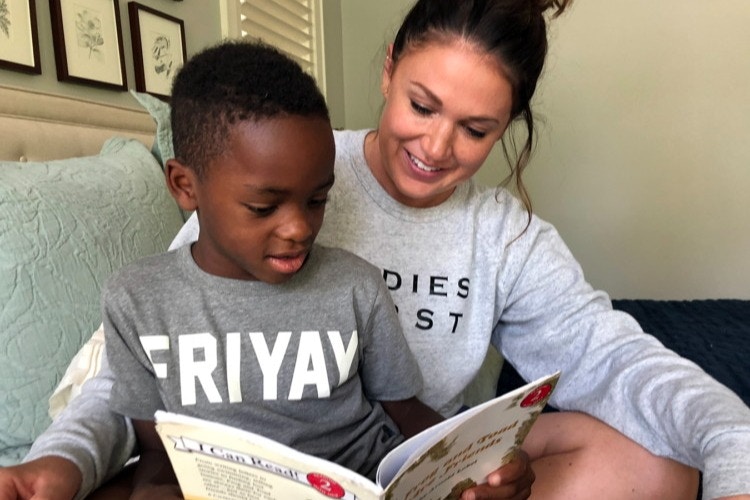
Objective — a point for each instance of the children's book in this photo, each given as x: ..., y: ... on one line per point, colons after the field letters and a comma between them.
x: 218, y: 462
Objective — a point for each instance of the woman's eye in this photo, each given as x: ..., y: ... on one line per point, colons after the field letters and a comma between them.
x: 420, y: 109
x: 261, y: 210
x: 477, y: 134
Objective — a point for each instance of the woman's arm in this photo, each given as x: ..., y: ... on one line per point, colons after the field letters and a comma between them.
x: 88, y: 435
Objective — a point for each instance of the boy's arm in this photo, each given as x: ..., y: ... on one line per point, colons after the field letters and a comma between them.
x: 411, y: 415
x: 154, y: 476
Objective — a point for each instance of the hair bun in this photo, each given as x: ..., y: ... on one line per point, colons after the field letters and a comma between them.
x: 558, y: 6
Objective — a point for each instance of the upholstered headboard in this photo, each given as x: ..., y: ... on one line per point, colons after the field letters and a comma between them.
x: 35, y: 126
x: 81, y: 194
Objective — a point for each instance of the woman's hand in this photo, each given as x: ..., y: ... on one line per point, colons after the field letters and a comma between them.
x: 510, y: 482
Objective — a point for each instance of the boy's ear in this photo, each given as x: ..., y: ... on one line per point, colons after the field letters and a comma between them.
x: 181, y: 182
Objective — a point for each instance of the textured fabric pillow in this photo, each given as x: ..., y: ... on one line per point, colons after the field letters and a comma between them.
x: 65, y: 226
x: 163, y: 148
x: 159, y: 110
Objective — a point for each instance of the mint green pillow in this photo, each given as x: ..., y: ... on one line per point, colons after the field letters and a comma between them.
x: 163, y: 148
x: 65, y: 226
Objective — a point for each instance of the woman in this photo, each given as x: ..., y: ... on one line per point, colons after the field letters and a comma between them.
x: 468, y: 267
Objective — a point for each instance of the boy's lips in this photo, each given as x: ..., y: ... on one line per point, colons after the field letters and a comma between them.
x: 287, y: 264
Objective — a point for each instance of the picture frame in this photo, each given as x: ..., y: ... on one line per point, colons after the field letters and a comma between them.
x: 19, y: 36
x: 87, y: 39
x: 158, y: 49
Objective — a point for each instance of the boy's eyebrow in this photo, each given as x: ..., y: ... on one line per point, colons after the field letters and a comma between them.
x: 271, y: 190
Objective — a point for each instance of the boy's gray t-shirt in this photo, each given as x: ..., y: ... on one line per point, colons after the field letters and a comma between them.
x: 296, y: 362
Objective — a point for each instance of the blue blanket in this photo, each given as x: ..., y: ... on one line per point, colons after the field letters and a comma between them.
x: 715, y: 334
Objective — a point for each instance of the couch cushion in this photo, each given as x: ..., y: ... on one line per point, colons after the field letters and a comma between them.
x: 65, y: 226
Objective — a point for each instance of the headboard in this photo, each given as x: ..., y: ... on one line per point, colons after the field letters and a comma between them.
x: 36, y: 126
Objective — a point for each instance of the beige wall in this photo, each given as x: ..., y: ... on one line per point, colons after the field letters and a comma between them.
x: 644, y: 156
x: 644, y: 164
x: 367, y: 27
x: 202, y: 27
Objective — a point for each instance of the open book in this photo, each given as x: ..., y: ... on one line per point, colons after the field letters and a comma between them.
x: 215, y: 461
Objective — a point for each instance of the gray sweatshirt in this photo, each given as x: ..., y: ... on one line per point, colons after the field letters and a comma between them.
x: 466, y: 274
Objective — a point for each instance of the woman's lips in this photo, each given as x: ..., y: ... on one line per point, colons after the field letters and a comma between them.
x: 420, y: 165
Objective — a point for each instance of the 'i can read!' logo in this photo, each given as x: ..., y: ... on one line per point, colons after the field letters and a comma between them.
x: 536, y: 396
x: 325, y: 485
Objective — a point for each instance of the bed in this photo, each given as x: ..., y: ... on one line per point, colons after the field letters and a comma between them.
x: 715, y: 334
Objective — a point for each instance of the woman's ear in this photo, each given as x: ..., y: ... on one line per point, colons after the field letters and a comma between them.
x: 385, y: 80
x: 182, y: 182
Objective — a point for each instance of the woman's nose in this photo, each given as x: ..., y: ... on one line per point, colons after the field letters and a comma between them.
x: 437, y: 143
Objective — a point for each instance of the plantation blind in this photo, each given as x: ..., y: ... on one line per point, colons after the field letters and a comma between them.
x: 294, y: 26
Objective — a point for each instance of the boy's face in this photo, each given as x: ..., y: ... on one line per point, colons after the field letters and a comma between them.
x: 261, y: 204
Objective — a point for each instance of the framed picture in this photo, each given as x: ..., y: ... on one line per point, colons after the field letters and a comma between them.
x: 158, y: 49
x: 88, y: 42
x: 19, y: 38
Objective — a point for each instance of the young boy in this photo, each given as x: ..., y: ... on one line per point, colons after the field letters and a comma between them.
x: 253, y: 325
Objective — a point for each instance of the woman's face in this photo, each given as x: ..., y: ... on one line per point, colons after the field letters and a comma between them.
x: 446, y: 105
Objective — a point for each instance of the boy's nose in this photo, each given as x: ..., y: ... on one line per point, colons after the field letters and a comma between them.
x: 297, y: 227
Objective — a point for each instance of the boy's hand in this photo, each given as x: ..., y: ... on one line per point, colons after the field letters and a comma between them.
x: 162, y: 492
x: 510, y: 482
x: 46, y: 478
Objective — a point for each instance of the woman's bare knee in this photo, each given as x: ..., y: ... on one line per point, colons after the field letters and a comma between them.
x: 577, y: 456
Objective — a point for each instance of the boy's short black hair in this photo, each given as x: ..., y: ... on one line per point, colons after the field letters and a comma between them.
x: 232, y: 82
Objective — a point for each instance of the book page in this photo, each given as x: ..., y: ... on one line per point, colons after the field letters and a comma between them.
x: 214, y: 461
x: 459, y: 454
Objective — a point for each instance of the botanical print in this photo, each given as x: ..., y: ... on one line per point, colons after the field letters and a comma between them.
x: 161, y: 50
x: 162, y: 57
x: 89, y: 33
x: 4, y: 18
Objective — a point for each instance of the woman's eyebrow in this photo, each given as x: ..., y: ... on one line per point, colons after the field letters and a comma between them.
x: 439, y: 102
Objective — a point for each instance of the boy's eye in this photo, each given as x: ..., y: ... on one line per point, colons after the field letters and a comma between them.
x: 261, y: 210
x: 420, y: 109
x: 318, y: 202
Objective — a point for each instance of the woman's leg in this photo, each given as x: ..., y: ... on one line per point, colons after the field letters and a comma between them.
x: 577, y: 456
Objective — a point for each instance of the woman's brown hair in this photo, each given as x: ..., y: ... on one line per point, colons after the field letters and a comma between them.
x: 514, y: 31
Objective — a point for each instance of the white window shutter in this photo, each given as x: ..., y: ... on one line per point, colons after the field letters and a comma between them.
x: 293, y: 26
